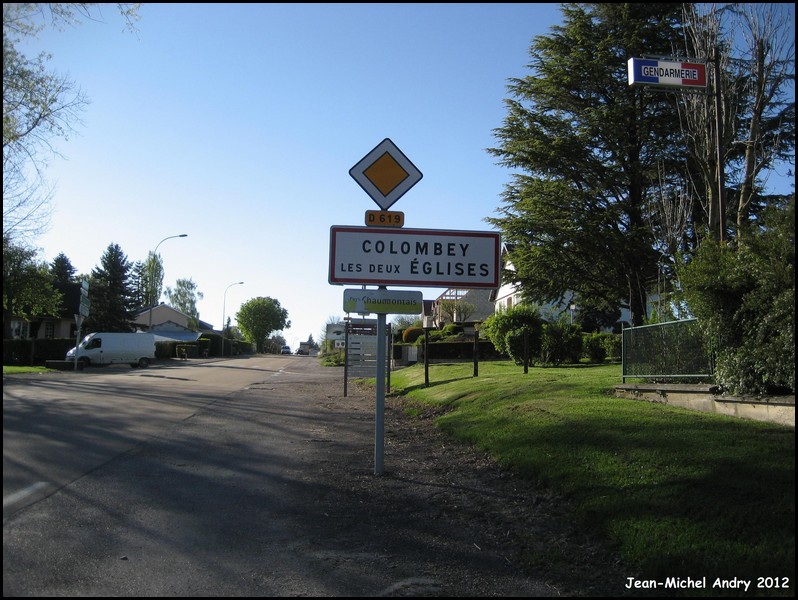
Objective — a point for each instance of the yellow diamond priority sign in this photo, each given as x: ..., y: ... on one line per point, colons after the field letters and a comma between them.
x: 385, y: 174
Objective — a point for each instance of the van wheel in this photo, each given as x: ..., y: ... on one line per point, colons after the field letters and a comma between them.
x: 144, y: 362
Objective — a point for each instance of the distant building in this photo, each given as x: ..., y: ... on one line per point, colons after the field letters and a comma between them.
x: 508, y: 295
x: 477, y: 305
x: 46, y: 327
x: 170, y: 323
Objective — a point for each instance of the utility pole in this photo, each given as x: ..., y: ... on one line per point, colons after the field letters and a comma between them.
x: 718, y: 146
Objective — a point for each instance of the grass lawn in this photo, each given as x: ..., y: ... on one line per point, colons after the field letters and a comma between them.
x: 18, y: 370
x: 679, y: 493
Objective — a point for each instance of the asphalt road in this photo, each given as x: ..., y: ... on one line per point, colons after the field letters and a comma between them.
x: 163, y: 481
x: 254, y: 477
x: 59, y: 426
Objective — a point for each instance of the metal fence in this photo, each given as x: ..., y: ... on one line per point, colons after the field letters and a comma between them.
x: 666, y: 351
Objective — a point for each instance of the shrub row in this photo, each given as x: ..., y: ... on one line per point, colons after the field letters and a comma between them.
x: 30, y: 352
x: 550, y: 343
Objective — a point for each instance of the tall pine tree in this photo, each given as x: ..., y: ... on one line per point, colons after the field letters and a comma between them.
x: 110, y: 295
x: 62, y: 269
x: 138, y: 285
x: 586, y: 150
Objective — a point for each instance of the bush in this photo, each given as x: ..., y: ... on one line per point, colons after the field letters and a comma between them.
x: 597, y: 347
x: 506, y: 328
x: 744, y: 298
x: 451, y: 329
x: 613, y: 342
x: 35, y: 352
x: 561, y: 342
x: 213, y: 341
x: 411, y: 334
x: 593, y: 347
x: 514, y: 342
x: 336, y: 358
x: 165, y: 349
x: 434, y: 335
x: 458, y: 350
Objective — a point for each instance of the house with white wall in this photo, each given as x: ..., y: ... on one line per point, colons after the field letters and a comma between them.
x: 508, y: 295
x: 167, y: 321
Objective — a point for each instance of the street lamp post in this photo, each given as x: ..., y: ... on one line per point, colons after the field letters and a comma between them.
x: 152, y: 290
x: 224, y: 302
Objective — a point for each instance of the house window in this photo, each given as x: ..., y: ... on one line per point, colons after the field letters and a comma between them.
x: 509, y: 302
x: 49, y: 330
x: 19, y: 330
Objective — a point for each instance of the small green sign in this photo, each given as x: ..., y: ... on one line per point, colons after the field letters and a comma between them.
x: 389, y: 302
x: 84, y: 299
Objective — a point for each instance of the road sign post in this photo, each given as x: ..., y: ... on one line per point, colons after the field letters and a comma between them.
x: 385, y: 174
x: 78, y: 323
x: 379, y: 405
x: 392, y: 255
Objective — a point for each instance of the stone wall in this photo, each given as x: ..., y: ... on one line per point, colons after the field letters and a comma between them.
x: 705, y: 398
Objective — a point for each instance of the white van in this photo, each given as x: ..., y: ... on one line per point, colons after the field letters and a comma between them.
x: 135, y: 349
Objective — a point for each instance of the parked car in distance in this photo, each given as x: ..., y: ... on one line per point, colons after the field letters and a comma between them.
x: 299, y: 351
x: 285, y: 350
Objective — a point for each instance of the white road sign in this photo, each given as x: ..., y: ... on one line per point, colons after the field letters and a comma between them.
x: 414, y: 257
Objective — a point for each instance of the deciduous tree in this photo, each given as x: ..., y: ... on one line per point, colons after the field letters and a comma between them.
x: 750, y: 49
x: 39, y: 106
x: 27, y: 286
x: 184, y: 298
x: 259, y: 317
x: 153, y: 278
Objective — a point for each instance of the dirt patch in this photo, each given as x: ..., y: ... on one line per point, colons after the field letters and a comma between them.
x: 505, y: 535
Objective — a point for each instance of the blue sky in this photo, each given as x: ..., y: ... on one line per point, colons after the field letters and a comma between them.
x: 238, y: 123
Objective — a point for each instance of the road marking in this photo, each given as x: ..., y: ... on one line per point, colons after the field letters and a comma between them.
x: 23, y: 493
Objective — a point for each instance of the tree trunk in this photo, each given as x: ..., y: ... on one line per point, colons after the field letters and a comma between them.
x: 637, y: 301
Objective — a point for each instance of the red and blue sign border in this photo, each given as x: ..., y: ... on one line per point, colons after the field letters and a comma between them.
x: 669, y: 73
